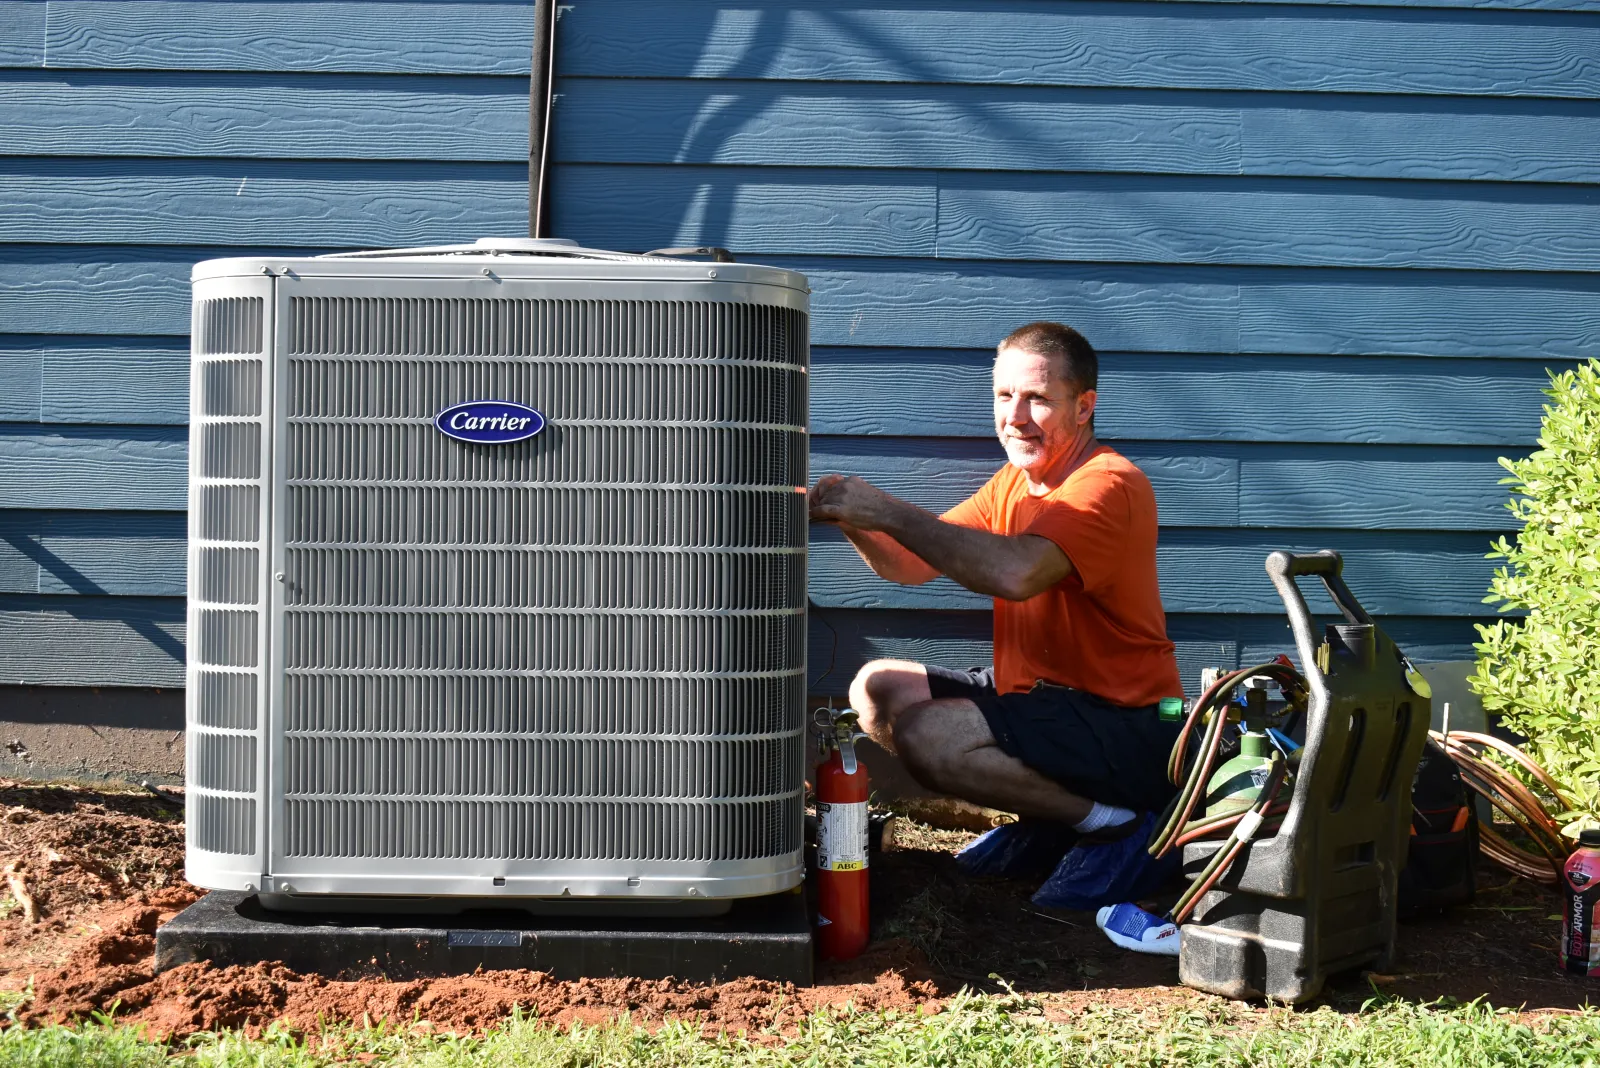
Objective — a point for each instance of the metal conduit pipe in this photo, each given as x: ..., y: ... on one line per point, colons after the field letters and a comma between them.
x: 541, y: 92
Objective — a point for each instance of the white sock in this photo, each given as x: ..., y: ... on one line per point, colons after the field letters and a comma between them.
x: 1131, y: 927
x: 1103, y: 816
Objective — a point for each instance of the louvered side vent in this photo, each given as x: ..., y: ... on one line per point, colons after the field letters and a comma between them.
x: 584, y: 646
x: 227, y: 602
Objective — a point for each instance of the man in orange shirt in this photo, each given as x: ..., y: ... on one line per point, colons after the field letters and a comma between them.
x: 1066, y: 725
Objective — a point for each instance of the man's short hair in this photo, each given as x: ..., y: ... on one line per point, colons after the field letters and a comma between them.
x: 1079, y: 364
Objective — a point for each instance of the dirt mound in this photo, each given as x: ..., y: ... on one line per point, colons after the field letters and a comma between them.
x: 115, y: 966
x: 116, y: 875
x: 70, y: 858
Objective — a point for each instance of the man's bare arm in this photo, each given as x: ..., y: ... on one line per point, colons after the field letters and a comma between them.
x: 888, y: 558
x: 1013, y: 568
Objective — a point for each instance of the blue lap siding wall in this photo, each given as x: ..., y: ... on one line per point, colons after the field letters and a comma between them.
x: 1327, y: 252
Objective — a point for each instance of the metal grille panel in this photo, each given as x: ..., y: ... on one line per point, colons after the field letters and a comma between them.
x: 588, y: 645
x: 543, y: 830
x: 227, y: 606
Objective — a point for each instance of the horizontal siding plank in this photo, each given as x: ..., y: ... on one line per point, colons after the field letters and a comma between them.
x: 889, y: 302
x: 132, y: 468
x: 93, y: 553
x: 266, y: 202
x: 978, y: 127
x: 65, y: 289
x: 1476, y: 5
x: 1498, y: 316
x: 1377, y: 400
x: 20, y: 377
x: 1192, y: 46
x: 311, y: 116
x: 1207, y: 309
x: 1308, y: 222
x: 422, y: 38
x: 843, y: 639
x: 1216, y: 571
x: 1297, y: 222
x: 1224, y: 485
x: 378, y: 204
x: 93, y: 380
x: 22, y: 24
x: 1405, y: 492
x: 91, y: 641
x: 138, y: 290
x: 984, y: 127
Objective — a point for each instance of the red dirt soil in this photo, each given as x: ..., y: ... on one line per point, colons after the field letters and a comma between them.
x: 105, y: 868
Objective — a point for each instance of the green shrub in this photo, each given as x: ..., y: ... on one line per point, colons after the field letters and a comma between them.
x: 1543, y: 672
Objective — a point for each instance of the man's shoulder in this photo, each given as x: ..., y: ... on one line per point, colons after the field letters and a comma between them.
x: 1108, y: 470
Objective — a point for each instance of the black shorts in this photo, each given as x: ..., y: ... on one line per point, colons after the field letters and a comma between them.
x: 1098, y: 750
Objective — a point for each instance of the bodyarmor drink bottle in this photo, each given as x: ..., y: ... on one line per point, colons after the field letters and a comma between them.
x: 1580, y: 936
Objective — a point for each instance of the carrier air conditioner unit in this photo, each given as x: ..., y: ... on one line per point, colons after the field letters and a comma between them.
x: 496, y: 577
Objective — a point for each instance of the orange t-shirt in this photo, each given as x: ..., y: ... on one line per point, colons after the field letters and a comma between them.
x: 1102, y: 628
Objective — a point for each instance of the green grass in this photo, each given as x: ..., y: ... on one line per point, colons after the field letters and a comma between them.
x: 981, y: 1031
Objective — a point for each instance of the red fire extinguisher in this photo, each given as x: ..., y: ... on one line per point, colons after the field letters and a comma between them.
x: 842, y: 844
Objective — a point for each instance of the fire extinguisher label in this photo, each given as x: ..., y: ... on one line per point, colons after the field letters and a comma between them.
x: 842, y: 836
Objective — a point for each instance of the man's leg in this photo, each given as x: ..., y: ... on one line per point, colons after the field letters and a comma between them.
x: 947, y: 746
x: 882, y: 691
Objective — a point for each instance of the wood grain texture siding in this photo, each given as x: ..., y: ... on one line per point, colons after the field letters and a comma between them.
x: 22, y: 24
x: 417, y: 38
x: 1296, y: 222
x: 1207, y: 309
x: 1216, y: 571
x: 132, y: 468
x: 93, y: 553
x: 100, y: 289
x: 265, y: 202
x: 315, y: 116
x: 1004, y: 128
x: 1115, y: 218
x: 21, y: 372
x: 842, y: 639
x: 1196, y: 46
x: 91, y: 641
x: 1187, y: 397
x: 93, y: 380
x: 1336, y: 487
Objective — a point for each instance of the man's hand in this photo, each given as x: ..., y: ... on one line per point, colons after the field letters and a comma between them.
x: 851, y: 502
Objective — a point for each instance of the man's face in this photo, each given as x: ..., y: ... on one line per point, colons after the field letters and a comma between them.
x: 1036, y: 413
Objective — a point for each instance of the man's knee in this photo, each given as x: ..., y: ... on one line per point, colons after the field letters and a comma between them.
x: 882, y: 689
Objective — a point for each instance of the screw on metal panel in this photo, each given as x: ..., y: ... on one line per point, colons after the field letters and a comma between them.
x: 279, y: 576
x: 286, y: 888
x: 249, y: 886
x: 711, y: 274
x: 487, y: 273
x: 694, y: 891
x: 266, y: 271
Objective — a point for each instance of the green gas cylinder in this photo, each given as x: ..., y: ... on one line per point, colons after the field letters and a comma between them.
x: 1237, y: 785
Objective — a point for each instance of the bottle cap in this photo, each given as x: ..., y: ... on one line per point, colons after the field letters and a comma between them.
x: 1590, y: 838
x: 1171, y: 708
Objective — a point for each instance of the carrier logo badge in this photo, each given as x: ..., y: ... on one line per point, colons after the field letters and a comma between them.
x: 489, y: 422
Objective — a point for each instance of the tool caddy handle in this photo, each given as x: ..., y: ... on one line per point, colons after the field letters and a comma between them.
x: 1328, y: 565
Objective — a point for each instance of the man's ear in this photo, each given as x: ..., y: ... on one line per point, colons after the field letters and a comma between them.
x: 1086, y: 402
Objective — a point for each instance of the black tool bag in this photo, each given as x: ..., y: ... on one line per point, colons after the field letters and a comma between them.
x: 1442, y: 862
